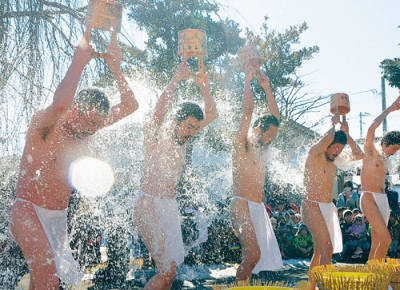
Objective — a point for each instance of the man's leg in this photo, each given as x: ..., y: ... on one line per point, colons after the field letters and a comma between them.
x: 323, y: 248
x: 380, y: 235
x: 241, y: 221
x: 31, y: 238
x: 153, y: 237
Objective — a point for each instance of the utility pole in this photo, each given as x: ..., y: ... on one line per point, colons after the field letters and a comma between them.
x: 384, y: 124
x: 361, y: 122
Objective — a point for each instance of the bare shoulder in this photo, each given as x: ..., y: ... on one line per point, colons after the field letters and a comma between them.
x: 149, y: 129
x: 371, y: 155
x: 154, y: 134
x: 240, y: 146
x: 315, y: 156
x: 42, y: 131
x: 370, y: 150
x: 318, y: 148
x: 36, y: 118
x: 36, y: 127
x: 153, y: 125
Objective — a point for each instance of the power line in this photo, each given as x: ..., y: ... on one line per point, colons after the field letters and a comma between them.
x: 361, y: 122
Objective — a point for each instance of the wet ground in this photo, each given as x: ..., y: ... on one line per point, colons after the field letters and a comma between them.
x: 194, y: 277
x: 191, y: 277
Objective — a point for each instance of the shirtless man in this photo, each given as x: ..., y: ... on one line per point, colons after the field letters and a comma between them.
x: 374, y: 202
x: 260, y: 250
x: 57, y: 136
x: 156, y: 212
x: 318, y: 211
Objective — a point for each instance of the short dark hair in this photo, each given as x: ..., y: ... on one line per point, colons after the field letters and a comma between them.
x: 90, y: 98
x: 265, y: 122
x: 189, y: 109
x: 391, y: 138
x: 340, y: 137
x: 348, y: 183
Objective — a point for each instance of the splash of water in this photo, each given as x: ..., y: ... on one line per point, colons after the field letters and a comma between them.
x: 208, y: 178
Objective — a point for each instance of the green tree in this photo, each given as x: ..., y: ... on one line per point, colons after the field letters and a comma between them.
x: 162, y: 20
x: 391, y: 71
x: 281, y: 62
x: 282, y: 57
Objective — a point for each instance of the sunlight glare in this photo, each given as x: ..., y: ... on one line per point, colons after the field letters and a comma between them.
x: 91, y: 177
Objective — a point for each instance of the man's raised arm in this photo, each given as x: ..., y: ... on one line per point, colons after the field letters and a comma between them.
x: 272, y: 105
x: 128, y: 103
x: 164, y: 102
x: 247, y: 109
x: 369, y: 138
x: 328, y: 137
x: 65, y: 91
x: 356, y: 151
x: 210, y: 108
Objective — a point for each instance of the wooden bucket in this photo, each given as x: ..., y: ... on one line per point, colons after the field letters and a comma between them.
x: 192, y: 43
x: 104, y: 15
x: 340, y: 104
x: 249, y: 54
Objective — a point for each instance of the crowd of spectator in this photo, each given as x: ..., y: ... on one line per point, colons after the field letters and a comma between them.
x: 295, y: 240
x: 356, y: 234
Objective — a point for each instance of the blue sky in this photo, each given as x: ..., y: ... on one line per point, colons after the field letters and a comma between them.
x: 353, y: 37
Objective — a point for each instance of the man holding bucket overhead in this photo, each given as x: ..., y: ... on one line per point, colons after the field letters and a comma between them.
x: 156, y: 213
x: 260, y: 250
x: 318, y: 211
x: 57, y: 136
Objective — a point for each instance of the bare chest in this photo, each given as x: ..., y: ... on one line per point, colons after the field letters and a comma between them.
x: 165, y: 159
x: 319, y: 173
x: 52, y: 156
x: 249, y: 166
x: 373, y: 173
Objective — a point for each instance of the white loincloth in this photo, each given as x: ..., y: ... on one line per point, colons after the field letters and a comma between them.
x: 329, y: 213
x: 54, y: 223
x: 271, y: 258
x: 382, y: 204
x: 169, y: 218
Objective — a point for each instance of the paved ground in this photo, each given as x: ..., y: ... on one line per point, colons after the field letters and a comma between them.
x: 196, y: 277
x: 190, y: 277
